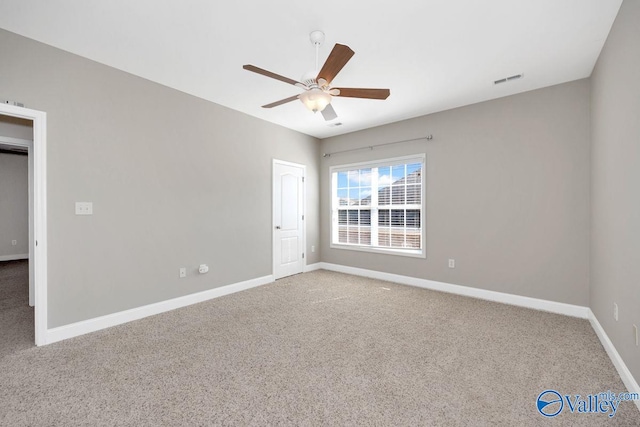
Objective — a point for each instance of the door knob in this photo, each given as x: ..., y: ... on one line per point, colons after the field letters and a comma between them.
x: 277, y: 227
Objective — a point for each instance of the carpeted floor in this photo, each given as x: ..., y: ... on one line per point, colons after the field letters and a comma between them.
x: 319, y: 348
x: 16, y: 317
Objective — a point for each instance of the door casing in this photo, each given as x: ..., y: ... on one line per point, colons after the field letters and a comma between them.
x: 38, y: 224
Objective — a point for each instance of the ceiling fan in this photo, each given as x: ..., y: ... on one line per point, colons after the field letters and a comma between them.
x: 318, y: 93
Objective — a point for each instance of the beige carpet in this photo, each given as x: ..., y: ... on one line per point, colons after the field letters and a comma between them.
x: 320, y: 348
x: 16, y: 317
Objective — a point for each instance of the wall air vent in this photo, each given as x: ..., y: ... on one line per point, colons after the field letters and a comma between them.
x: 508, y: 79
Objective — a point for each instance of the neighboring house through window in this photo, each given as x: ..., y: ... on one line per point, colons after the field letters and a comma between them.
x: 379, y: 206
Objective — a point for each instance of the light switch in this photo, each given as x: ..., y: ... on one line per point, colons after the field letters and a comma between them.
x: 84, y: 208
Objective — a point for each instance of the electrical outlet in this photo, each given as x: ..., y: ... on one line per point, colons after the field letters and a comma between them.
x: 615, y: 311
x: 313, y: 248
x: 14, y: 242
x: 183, y: 272
x: 452, y: 263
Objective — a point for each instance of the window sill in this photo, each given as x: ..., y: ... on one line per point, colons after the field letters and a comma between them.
x: 413, y: 253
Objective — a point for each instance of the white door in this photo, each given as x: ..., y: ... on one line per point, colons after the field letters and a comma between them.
x: 288, y: 218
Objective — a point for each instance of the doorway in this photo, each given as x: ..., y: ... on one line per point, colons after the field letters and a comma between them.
x: 37, y: 235
x: 288, y: 218
x: 16, y: 272
x: 16, y: 190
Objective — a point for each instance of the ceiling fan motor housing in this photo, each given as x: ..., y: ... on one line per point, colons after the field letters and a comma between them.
x: 309, y: 79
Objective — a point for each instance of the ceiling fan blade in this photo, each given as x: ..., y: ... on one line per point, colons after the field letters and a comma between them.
x: 329, y: 113
x: 282, y: 101
x: 258, y: 70
x: 350, y: 92
x: 338, y: 58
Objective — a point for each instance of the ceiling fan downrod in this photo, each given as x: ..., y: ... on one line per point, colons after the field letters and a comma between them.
x: 317, y: 38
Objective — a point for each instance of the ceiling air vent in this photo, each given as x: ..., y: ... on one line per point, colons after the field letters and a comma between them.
x: 508, y: 79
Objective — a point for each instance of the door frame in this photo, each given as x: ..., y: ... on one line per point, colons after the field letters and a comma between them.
x: 38, y: 223
x: 273, y: 211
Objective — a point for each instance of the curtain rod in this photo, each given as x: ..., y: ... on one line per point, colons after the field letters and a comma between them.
x: 371, y: 147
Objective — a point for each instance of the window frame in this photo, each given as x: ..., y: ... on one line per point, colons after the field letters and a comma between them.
x: 335, y: 208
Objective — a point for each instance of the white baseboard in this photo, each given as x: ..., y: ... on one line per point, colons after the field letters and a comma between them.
x: 521, y: 301
x: 312, y: 267
x: 13, y: 257
x: 621, y: 367
x: 102, y: 322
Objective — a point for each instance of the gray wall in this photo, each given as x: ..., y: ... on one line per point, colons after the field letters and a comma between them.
x: 507, y: 194
x: 615, y: 201
x: 15, y: 127
x: 176, y: 181
x: 14, y: 204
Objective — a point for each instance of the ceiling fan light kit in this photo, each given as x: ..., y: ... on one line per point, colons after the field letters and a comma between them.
x: 318, y: 93
x: 315, y: 99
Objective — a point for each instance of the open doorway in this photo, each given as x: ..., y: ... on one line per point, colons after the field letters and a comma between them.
x: 23, y: 267
x: 17, y: 292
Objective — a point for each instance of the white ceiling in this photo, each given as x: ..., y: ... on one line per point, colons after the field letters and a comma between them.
x: 433, y: 54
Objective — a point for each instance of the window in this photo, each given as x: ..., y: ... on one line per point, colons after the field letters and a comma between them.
x: 379, y: 206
